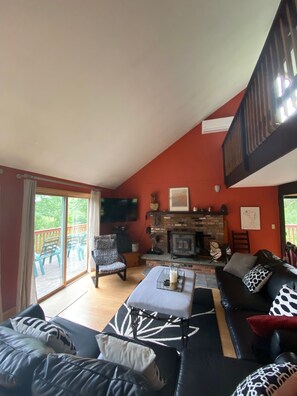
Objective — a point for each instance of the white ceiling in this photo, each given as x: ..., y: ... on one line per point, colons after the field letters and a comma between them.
x: 93, y: 90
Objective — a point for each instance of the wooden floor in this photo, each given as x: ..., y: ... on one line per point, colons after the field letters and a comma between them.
x: 83, y: 303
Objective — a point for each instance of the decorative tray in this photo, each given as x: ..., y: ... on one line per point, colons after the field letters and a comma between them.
x: 164, y: 283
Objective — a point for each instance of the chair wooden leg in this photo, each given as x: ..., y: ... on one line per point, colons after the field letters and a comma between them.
x: 122, y: 275
x: 96, y: 278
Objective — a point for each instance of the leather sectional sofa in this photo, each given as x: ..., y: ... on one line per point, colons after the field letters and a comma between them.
x: 239, y: 304
x: 28, y: 368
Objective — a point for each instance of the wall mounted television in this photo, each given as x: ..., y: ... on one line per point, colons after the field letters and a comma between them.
x: 118, y: 210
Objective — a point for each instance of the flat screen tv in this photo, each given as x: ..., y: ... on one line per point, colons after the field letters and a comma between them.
x: 118, y: 209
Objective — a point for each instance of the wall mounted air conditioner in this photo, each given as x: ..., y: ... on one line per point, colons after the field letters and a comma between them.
x: 216, y: 125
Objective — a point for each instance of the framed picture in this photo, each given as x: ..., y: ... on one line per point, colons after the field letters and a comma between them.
x: 250, y: 218
x: 179, y: 199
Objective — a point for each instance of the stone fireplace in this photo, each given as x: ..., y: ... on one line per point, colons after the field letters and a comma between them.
x: 206, y: 228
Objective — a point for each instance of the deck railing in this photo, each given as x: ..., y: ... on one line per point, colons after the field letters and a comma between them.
x: 291, y: 233
x: 42, y: 235
x: 270, y: 100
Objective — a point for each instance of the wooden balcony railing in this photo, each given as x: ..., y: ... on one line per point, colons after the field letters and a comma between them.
x: 42, y: 235
x: 267, y: 115
x: 291, y: 233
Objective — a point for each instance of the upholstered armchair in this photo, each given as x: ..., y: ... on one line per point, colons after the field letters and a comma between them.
x: 107, y: 259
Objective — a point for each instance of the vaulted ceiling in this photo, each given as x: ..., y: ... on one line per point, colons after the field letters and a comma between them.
x: 93, y: 90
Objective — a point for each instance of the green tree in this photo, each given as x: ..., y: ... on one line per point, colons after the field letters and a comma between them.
x: 290, y: 205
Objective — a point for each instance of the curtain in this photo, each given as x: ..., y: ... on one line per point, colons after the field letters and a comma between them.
x: 93, y: 224
x: 26, y: 289
x: 1, y: 307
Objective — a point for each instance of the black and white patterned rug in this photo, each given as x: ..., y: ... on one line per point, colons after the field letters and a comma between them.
x: 203, y: 332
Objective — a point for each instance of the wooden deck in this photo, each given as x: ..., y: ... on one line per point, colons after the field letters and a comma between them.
x: 52, y: 278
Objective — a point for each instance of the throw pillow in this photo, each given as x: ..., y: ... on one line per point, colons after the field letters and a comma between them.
x: 51, y: 335
x: 256, y: 278
x: 135, y: 356
x: 240, y: 264
x: 264, y: 325
x: 285, y: 303
x: 266, y: 380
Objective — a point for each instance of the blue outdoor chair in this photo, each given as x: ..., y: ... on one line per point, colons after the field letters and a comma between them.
x: 49, y: 249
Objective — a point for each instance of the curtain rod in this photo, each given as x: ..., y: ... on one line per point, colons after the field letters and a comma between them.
x: 27, y: 176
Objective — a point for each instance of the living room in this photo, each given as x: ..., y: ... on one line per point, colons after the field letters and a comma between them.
x: 191, y: 159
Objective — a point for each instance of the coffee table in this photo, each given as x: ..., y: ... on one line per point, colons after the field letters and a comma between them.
x: 167, y: 305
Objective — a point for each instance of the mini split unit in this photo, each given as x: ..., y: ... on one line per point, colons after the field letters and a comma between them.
x: 216, y: 125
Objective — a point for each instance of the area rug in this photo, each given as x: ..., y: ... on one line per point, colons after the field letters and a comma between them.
x: 203, y: 332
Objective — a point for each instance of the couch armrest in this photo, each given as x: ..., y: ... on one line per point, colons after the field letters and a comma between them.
x: 33, y: 311
x: 286, y: 357
x: 283, y: 341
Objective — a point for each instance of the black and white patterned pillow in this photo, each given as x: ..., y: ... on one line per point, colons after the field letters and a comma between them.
x: 285, y: 303
x: 105, y: 241
x: 51, y: 335
x: 256, y: 278
x: 266, y: 380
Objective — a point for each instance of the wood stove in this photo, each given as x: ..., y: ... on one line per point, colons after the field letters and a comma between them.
x: 185, y: 243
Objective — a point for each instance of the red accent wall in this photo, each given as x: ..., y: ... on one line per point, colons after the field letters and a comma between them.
x: 195, y: 161
x: 11, y: 196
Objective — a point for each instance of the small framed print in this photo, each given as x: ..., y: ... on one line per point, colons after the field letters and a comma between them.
x: 250, y: 218
x: 179, y: 199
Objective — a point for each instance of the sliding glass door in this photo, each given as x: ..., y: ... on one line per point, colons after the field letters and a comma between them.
x: 60, y: 240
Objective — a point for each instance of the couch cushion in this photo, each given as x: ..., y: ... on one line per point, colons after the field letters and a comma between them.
x: 282, y: 273
x: 234, y: 294
x: 82, y: 376
x: 256, y: 278
x: 83, y: 337
x: 210, y: 374
x: 52, y: 335
x: 138, y: 357
x: 247, y: 344
x: 240, y: 264
x: 19, y: 356
x: 285, y: 303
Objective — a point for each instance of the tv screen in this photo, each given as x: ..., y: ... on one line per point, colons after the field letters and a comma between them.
x: 118, y: 209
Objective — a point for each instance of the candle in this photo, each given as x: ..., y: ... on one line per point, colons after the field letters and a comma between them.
x: 173, y: 276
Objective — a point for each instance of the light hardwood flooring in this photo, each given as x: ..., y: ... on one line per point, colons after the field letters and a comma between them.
x: 81, y: 302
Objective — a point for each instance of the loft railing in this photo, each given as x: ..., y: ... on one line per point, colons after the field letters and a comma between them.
x: 268, y: 109
x: 291, y: 233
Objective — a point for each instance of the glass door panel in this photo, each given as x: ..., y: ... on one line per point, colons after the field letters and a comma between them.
x: 76, y: 257
x: 290, y: 217
x: 48, y: 243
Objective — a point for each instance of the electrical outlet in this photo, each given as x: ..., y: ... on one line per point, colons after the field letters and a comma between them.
x: 273, y: 226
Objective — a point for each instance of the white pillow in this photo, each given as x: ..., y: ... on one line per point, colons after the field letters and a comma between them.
x: 135, y: 356
x: 52, y: 335
x: 285, y: 303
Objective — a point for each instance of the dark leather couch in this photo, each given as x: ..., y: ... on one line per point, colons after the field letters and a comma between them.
x: 239, y: 304
x: 27, y: 368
